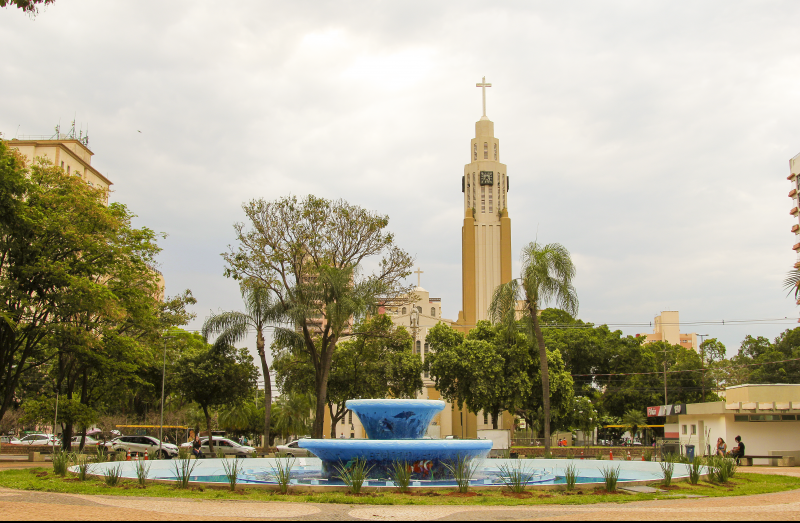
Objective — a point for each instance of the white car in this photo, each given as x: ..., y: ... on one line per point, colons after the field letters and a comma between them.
x: 224, y: 445
x: 38, y: 439
x: 13, y: 440
x: 294, y: 450
x: 140, y: 444
x: 90, y: 441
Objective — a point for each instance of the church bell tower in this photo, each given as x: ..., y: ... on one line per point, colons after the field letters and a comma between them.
x: 486, y: 233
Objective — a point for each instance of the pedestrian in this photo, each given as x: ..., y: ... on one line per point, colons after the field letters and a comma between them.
x: 721, y: 447
x: 197, y: 448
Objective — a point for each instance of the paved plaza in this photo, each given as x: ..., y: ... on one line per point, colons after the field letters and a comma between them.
x: 23, y: 505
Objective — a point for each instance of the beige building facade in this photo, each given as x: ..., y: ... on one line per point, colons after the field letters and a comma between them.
x: 667, y: 328
x: 767, y: 417
x: 70, y: 153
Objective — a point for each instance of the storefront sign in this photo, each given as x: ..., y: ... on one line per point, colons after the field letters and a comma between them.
x: 666, y: 410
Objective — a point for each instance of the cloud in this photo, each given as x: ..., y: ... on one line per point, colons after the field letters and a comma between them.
x: 650, y: 139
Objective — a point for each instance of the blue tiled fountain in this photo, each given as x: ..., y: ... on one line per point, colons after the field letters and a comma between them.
x: 395, y: 429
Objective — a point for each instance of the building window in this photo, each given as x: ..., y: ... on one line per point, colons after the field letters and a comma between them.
x: 433, y: 311
x: 350, y: 417
x: 485, y: 150
x: 426, y: 349
x: 68, y: 167
x: 419, y: 309
x: 495, y: 152
x: 419, y: 344
x: 683, y: 429
x: 483, y: 198
x: 404, y: 310
x: 491, y: 206
x: 475, y: 151
x: 694, y: 429
x: 485, y: 418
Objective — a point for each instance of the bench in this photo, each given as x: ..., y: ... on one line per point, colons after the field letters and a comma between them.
x: 747, y: 460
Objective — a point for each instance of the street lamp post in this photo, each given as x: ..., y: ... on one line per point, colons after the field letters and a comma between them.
x: 163, y: 379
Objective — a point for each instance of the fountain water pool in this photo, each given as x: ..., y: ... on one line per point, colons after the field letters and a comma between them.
x: 308, y: 472
x: 384, y: 420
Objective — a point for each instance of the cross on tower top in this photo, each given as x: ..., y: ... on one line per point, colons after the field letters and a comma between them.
x: 483, y: 85
x: 418, y: 272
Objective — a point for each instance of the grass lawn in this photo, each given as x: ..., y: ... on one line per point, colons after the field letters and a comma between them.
x: 43, y: 480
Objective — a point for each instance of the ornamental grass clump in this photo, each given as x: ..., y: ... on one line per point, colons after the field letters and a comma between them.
x: 462, y: 468
x: 61, y: 461
x: 183, y: 471
x: 721, y: 469
x: 515, y: 477
x: 100, y: 454
x: 610, y: 477
x: 142, y: 470
x: 113, y: 475
x: 354, y: 474
x: 570, y: 476
x: 84, y: 467
x: 183, y: 453
x: 695, y: 470
x: 667, y: 469
x: 648, y: 455
x: 282, y: 472
x: 401, y: 475
x: 233, y: 469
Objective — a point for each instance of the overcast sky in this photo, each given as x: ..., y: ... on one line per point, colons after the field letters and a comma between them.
x: 651, y: 139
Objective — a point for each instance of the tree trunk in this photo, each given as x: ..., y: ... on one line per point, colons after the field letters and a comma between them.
x: 495, y: 415
x: 322, y: 389
x: 545, y: 377
x: 267, y: 386
x: 208, y: 428
x: 334, y: 421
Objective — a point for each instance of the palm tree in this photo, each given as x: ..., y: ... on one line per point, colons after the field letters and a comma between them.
x: 232, y: 327
x: 792, y: 282
x: 546, y: 276
x: 633, y: 420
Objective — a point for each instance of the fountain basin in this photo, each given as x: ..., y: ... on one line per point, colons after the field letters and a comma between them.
x: 425, y: 457
x: 395, y: 419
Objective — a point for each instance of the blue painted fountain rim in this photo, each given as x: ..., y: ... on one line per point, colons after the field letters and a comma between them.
x: 396, y: 403
x: 463, y: 444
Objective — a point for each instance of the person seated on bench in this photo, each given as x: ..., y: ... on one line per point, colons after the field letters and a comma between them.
x: 721, y: 447
x: 738, y: 451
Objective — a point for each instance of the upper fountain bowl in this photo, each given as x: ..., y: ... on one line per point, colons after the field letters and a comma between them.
x: 395, y: 419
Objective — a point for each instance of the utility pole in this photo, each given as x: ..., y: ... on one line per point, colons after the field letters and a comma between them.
x: 703, y: 364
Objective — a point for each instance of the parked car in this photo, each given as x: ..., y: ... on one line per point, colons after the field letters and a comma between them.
x: 294, y: 450
x: 90, y: 441
x: 38, y: 439
x: 9, y: 439
x: 224, y: 445
x: 140, y: 444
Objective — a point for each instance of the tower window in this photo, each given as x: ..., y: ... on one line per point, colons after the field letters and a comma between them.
x: 483, y: 198
x: 475, y: 151
x: 404, y: 310
x: 485, y: 150
x: 433, y: 311
x: 491, y: 207
x: 495, y: 152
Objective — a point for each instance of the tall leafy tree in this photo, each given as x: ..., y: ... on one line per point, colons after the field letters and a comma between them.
x: 232, y: 327
x: 488, y: 370
x: 216, y: 376
x: 377, y: 363
x: 546, y: 276
x: 310, y: 254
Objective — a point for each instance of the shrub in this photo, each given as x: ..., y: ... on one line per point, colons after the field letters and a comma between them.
x: 401, y: 475
x: 142, y: 470
x: 113, y: 475
x: 183, y: 453
x: 462, y: 468
x: 570, y: 475
x: 515, y: 476
x: 61, y: 461
x: 355, y: 475
x: 648, y: 455
x: 183, y: 471
x: 695, y: 470
x: 610, y: 477
x: 282, y: 471
x: 667, y: 469
x: 84, y: 467
x: 232, y: 468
